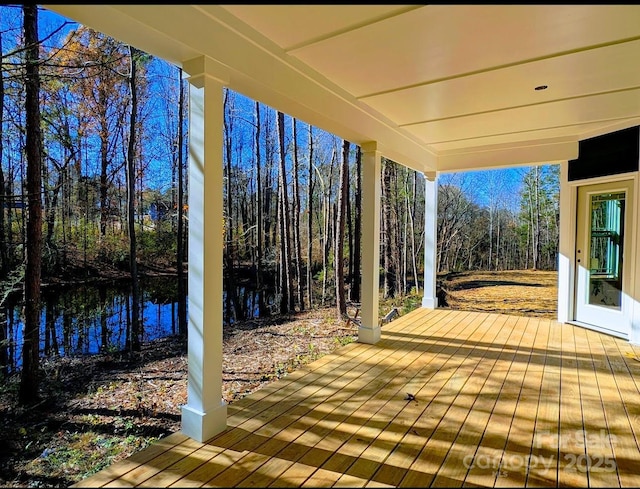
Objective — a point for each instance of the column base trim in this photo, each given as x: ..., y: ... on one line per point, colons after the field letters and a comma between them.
x: 369, y: 335
x: 203, y: 426
x: 429, y: 302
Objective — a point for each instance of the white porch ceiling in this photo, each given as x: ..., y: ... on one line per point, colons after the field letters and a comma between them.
x: 437, y: 87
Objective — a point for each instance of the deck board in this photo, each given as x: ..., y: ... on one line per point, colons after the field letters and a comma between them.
x: 488, y: 454
x: 620, y: 427
x: 499, y: 401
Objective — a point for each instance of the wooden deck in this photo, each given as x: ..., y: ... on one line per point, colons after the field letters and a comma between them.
x: 495, y: 401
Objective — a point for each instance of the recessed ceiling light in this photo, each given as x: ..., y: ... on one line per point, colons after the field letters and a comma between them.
x: 541, y: 87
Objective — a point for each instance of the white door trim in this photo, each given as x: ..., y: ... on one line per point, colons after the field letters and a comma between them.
x: 630, y: 308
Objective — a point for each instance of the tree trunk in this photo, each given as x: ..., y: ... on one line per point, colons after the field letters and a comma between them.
x: 287, y: 299
x: 538, y: 249
x: 4, y: 265
x: 411, y: 211
x: 310, y: 184
x: 341, y: 303
x: 349, y: 230
x: 230, y: 252
x: 182, y: 293
x: 31, y: 342
x: 136, y: 326
x: 355, y: 281
x: 390, y: 286
x: 296, y: 218
x: 104, y: 164
x: 262, y: 310
x: 325, y: 230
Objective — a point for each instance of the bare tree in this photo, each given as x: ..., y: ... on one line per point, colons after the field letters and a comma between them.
x: 341, y: 302
x: 230, y: 250
x: 355, y: 280
x: 182, y: 295
x: 296, y: 218
x: 310, y: 185
x: 388, y: 230
x: 31, y: 343
x: 259, y: 209
x: 286, y: 287
x: 136, y: 327
x: 4, y: 265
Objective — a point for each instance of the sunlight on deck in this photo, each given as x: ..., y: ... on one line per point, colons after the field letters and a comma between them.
x: 446, y: 398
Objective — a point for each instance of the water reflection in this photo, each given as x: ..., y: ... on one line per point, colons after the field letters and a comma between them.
x: 90, y: 319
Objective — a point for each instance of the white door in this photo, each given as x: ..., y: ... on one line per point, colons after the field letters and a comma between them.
x: 603, y: 279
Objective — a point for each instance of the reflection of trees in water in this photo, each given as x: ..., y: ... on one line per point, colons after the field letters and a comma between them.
x: 97, y: 318
x: 90, y: 319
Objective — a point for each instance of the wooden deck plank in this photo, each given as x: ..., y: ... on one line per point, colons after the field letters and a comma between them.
x: 361, y: 454
x: 323, y: 377
x: 571, y: 445
x: 485, y: 387
x: 545, y: 441
x: 182, y: 467
x: 610, y: 373
x: 426, y: 465
x: 484, y: 464
x: 395, y: 427
x: 511, y: 472
x: 242, y: 425
x: 339, y: 414
x: 352, y: 382
x: 502, y: 388
x: 330, y: 447
x: 322, y: 478
x: 316, y: 432
x: 157, y: 464
x: 207, y: 470
x: 134, y: 461
x: 294, y: 476
x: 443, y: 361
x: 598, y: 450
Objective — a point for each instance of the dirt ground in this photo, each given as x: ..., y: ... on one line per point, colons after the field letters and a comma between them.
x: 98, y: 409
x: 517, y: 292
x: 102, y: 408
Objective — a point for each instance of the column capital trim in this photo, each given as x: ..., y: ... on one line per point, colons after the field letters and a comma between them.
x: 432, y: 176
x: 201, y: 67
x: 370, y: 147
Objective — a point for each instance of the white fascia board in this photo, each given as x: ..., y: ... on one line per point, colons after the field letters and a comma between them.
x: 497, y: 156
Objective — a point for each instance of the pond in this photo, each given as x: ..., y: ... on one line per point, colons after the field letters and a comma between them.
x: 88, y: 319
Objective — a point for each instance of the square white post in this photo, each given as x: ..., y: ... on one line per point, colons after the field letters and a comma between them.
x: 429, y: 298
x: 205, y: 413
x: 369, y: 331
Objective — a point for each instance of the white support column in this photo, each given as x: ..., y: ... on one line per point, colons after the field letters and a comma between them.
x: 429, y: 298
x: 205, y: 413
x: 369, y: 331
x: 566, y: 245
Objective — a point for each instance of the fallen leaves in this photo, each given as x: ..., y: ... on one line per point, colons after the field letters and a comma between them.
x: 123, y: 403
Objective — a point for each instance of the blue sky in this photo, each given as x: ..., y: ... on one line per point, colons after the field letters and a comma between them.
x: 504, y: 184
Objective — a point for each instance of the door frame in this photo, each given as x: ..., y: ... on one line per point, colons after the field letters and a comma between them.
x: 603, y: 317
x: 567, y: 251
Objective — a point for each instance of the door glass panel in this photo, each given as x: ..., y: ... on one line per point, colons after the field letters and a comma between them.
x: 605, y: 254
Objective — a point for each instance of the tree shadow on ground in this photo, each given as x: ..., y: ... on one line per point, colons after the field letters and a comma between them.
x: 476, y: 284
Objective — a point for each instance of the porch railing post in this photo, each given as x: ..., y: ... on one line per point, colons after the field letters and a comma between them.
x: 205, y: 413
x: 429, y: 298
x: 369, y: 331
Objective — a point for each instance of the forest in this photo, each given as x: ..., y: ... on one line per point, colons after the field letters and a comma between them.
x: 94, y: 184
